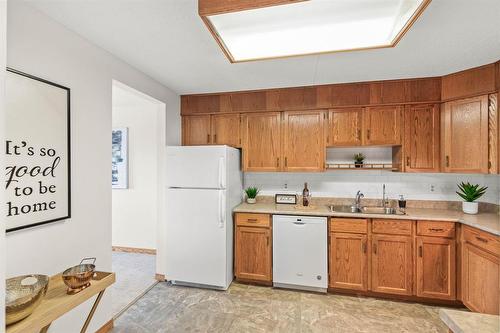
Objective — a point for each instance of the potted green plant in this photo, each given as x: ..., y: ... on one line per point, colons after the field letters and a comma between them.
x: 251, y: 193
x: 358, y: 160
x: 470, y: 193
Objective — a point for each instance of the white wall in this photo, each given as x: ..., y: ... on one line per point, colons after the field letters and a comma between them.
x: 345, y: 184
x: 135, y: 209
x: 42, y: 47
x: 3, y: 44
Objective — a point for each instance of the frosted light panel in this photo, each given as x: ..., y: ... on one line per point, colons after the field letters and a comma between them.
x: 312, y: 26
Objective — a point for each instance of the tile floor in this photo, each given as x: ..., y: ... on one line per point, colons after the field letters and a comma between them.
x: 243, y: 308
x: 134, y: 275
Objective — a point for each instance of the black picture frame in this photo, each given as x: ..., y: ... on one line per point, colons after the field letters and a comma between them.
x: 68, y: 131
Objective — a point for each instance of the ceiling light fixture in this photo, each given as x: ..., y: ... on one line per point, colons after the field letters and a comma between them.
x: 265, y: 29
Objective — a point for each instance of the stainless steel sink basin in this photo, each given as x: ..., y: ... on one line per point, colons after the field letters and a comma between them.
x: 365, y: 210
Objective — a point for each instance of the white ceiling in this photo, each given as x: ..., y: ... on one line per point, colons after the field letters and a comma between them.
x: 168, y: 41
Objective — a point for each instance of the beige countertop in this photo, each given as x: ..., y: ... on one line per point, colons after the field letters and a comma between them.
x: 469, y: 322
x: 489, y: 222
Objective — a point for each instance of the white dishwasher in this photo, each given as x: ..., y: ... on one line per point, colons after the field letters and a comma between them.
x: 300, y: 252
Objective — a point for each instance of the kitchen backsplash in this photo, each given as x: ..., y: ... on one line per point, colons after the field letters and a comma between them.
x: 345, y: 184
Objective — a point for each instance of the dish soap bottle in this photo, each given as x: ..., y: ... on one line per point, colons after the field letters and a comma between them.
x: 305, y: 196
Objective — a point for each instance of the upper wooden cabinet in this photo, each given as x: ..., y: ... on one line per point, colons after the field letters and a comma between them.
x: 303, y: 141
x: 382, y: 125
x: 221, y: 129
x: 261, y: 141
x: 226, y: 130
x: 421, y: 138
x: 344, y: 127
x: 196, y: 130
x: 465, y: 135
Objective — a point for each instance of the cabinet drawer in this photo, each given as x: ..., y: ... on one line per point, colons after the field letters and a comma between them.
x: 391, y: 227
x: 438, y: 229
x: 253, y: 220
x: 482, y: 240
x: 355, y: 226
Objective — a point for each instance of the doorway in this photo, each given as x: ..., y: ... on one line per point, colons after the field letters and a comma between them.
x: 136, y: 178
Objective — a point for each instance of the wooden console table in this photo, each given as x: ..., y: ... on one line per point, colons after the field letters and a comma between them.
x: 57, y: 302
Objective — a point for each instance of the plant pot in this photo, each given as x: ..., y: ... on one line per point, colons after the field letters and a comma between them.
x: 251, y: 200
x: 358, y: 164
x: 470, y: 207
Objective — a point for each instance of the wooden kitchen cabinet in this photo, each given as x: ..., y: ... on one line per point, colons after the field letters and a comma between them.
x: 196, y: 130
x: 253, y: 247
x: 465, y: 135
x: 480, y: 271
x: 436, y: 271
x: 303, y: 141
x: 382, y: 125
x: 226, y: 129
x: 421, y: 139
x: 391, y: 264
x: 344, y: 127
x: 262, y: 141
x: 348, y: 261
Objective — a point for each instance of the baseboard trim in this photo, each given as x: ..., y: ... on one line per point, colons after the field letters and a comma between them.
x: 133, y: 250
x: 106, y: 327
x: 160, y: 277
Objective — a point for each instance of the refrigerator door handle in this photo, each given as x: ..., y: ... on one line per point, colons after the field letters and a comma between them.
x: 221, y: 173
x: 221, y: 210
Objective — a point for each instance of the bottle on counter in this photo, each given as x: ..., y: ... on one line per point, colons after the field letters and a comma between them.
x: 402, y: 203
x: 305, y: 195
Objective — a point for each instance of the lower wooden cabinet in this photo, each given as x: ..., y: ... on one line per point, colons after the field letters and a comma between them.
x: 480, y: 271
x: 436, y: 271
x: 392, y: 264
x: 348, y: 261
x: 253, y: 248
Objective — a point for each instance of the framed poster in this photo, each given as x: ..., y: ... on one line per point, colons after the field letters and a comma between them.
x: 37, y: 148
x: 119, y: 158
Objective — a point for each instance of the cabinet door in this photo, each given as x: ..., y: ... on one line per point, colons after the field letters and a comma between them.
x: 480, y: 276
x: 344, y: 127
x: 196, y: 130
x: 253, y: 254
x: 465, y: 135
x: 391, y: 265
x: 436, y: 274
x: 382, y: 125
x: 421, y: 148
x: 262, y: 141
x: 348, y: 261
x: 226, y: 130
x: 303, y: 141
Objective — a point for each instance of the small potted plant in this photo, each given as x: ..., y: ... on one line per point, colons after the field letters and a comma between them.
x: 251, y: 193
x: 470, y: 193
x: 358, y: 160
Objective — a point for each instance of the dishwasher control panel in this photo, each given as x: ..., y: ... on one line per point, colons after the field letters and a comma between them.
x: 300, y: 255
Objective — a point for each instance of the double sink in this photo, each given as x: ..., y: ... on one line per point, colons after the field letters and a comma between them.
x: 365, y: 210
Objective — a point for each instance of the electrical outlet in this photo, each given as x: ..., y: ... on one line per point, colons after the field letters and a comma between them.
x: 432, y: 188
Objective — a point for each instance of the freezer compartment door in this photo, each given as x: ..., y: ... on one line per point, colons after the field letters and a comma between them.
x: 300, y: 251
x: 196, y: 237
x: 196, y: 167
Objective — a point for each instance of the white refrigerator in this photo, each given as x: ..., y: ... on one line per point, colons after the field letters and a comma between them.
x: 204, y: 184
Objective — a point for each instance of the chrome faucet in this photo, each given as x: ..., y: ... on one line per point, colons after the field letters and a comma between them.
x: 384, y: 198
x: 357, y: 201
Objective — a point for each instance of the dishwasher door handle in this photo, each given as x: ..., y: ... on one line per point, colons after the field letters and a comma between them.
x: 299, y: 223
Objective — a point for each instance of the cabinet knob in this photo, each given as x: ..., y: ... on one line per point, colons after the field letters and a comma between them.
x: 375, y: 248
x: 408, y: 161
x: 420, y: 251
x: 364, y: 247
x: 215, y: 138
x: 368, y: 134
x: 481, y: 239
x: 447, y: 160
x: 208, y: 138
x: 277, y: 162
